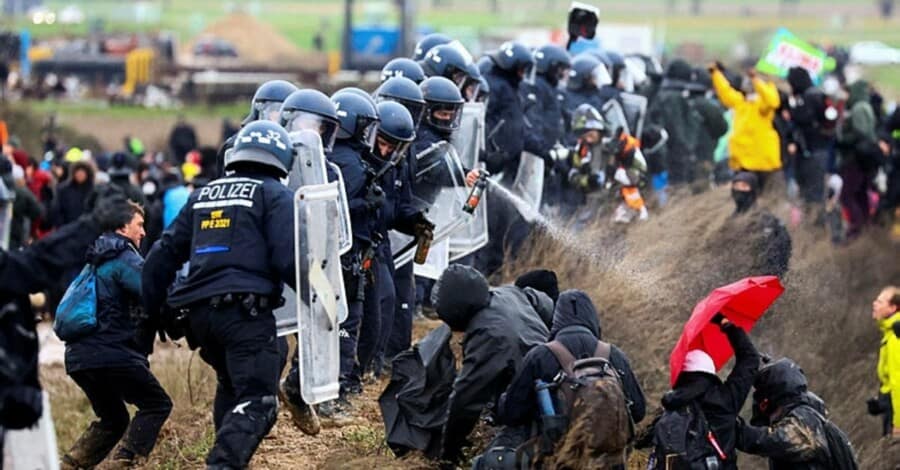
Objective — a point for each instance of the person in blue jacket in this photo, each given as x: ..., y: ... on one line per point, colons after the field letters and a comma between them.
x: 110, y: 364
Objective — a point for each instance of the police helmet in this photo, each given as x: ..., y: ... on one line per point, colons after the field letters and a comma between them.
x: 263, y: 142
x: 359, y: 92
x: 472, y: 83
x: 587, y: 118
x: 615, y: 64
x: 313, y: 110
x: 512, y: 57
x: 446, y: 61
x: 552, y: 62
x: 397, y: 130
x: 484, y: 90
x: 268, y: 98
x: 404, y: 91
x: 582, y: 75
x: 358, y: 117
x: 442, y: 95
x: 426, y: 43
x: 403, y: 67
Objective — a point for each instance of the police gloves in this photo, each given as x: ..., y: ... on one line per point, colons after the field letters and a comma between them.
x: 374, y: 197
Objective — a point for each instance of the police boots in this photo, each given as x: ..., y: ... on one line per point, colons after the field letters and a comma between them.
x: 302, y: 415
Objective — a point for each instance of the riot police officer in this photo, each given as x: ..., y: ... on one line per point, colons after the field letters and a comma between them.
x: 306, y: 110
x: 585, y: 78
x: 232, y: 232
x: 453, y: 62
x: 403, y: 67
x: 426, y: 43
x: 266, y: 104
x: 356, y: 136
x: 504, y: 119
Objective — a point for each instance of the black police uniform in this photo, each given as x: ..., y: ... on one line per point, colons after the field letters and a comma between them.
x: 232, y: 232
x: 504, y: 123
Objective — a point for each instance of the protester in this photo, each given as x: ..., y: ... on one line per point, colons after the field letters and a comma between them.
x: 26, y: 208
x: 671, y: 109
x: 71, y: 196
x: 860, y: 157
x: 110, y: 364
x: 884, y: 311
x: 182, y: 139
x: 754, y: 143
x: 501, y: 325
x: 789, y: 426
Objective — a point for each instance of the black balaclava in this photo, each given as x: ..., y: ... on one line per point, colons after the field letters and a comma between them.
x: 744, y: 200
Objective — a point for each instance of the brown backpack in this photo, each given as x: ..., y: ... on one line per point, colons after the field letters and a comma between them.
x: 600, y: 425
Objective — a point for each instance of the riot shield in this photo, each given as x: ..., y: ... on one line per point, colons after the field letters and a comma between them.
x: 440, y: 192
x: 635, y: 108
x: 320, y: 298
x: 309, y: 170
x: 33, y: 447
x: 469, y: 143
x: 529, y: 183
x: 614, y: 114
x: 7, y: 196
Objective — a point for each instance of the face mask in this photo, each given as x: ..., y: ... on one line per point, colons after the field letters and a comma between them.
x: 743, y: 200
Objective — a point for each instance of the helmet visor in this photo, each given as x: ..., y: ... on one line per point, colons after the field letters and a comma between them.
x: 416, y: 110
x: 302, y: 120
x: 470, y: 89
x: 367, y: 131
x: 268, y: 110
x: 390, y: 149
x: 446, y: 116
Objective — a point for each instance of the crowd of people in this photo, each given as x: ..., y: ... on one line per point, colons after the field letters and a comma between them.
x: 139, y: 217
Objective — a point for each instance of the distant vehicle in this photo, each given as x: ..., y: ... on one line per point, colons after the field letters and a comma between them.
x: 214, y: 47
x: 71, y: 14
x: 874, y: 53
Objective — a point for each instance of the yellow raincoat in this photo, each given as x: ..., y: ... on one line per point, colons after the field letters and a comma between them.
x: 889, y: 364
x: 754, y: 144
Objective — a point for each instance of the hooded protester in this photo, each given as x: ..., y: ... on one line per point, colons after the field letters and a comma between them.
x: 26, y: 208
x: 672, y: 111
x: 789, y: 424
x: 543, y: 280
x: 69, y: 202
x: 576, y: 325
x: 720, y: 402
x: 811, y: 136
x: 754, y: 144
x: 744, y: 191
x: 120, y: 176
x: 860, y: 156
x: 712, y: 124
x: 501, y: 325
x: 182, y: 139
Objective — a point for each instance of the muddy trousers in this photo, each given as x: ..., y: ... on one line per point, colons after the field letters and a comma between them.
x: 241, y: 346
x: 108, y: 390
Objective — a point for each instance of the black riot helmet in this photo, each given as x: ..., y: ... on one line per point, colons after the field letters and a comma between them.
x: 312, y: 110
x: 552, y: 62
x: 358, y: 118
x: 448, y: 62
x: 395, y: 132
x: 513, y: 57
x: 403, y: 67
x: 263, y: 142
x: 426, y: 43
x: 403, y: 91
x: 358, y: 92
x: 443, y: 97
x: 267, y: 100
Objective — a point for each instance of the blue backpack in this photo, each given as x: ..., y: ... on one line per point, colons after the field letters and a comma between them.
x: 76, y: 315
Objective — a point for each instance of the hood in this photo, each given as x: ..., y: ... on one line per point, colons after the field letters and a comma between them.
x: 459, y: 294
x: 779, y: 381
x: 859, y: 92
x: 690, y: 386
x: 81, y: 166
x: 107, y: 247
x: 543, y: 280
x: 799, y: 80
x: 575, y: 308
x: 678, y: 69
x: 541, y: 303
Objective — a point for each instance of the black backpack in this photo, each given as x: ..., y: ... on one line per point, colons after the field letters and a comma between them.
x: 840, y: 450
x: 683, y: 441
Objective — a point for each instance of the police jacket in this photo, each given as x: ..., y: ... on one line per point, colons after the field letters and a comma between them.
x: 576, y: 325
x: 236, y: 234
x: 120, y: 339
x: 435, y: 174
x: 355, y: 171
x: 543, y: 104
x: 796, y: 440
x: 720, y: 401
x: 398, y: 211
x: 499, y: 329
x: 504, y: 123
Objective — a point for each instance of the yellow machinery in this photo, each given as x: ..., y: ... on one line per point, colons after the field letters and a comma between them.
x: 138, y: 67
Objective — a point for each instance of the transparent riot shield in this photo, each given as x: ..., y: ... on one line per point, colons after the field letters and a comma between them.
x: 635, y: 108
x: 529, y: 183
x: 320, y: 298
x: 614, y: 114
x: 311, y: 170
x: 6, y: 207
x: 440, y: 192
x: 33, y: 447
x: 469, y: 143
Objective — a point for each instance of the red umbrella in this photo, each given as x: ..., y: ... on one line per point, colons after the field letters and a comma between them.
x: 743, y: 303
